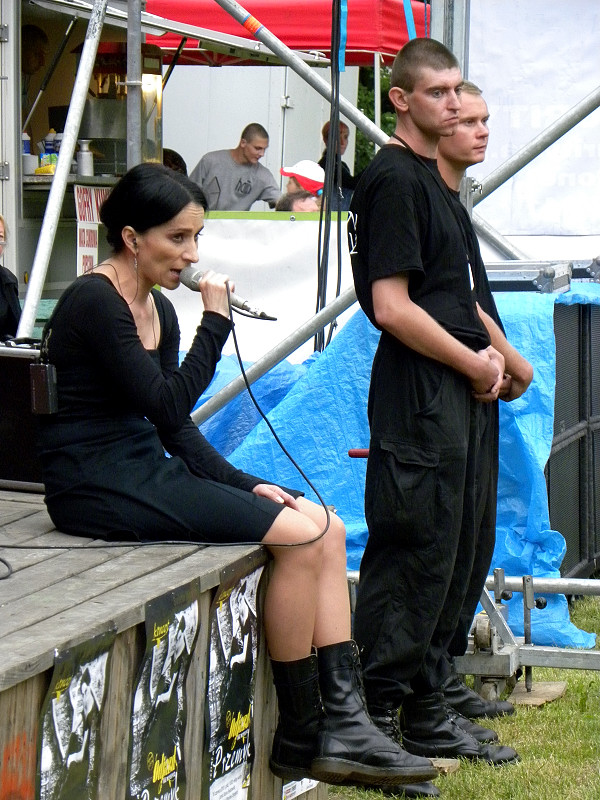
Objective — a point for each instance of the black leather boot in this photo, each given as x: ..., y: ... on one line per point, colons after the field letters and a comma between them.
x: 300, y: 716
x: 428, y: 729
x: 352, y: 750
x: 468, y: 703
x: 388, y: 722
x: 485, y: 735
x: 425, y: 789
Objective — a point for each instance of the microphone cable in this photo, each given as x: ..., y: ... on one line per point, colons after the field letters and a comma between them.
x: 280, y: 444
x: 187, y: 542
x: 333, y: 183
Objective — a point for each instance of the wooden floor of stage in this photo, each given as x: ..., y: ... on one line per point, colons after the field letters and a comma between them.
x: 64, y: 589
x: 59, y: 592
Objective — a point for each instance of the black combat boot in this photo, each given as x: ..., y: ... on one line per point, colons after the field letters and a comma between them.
x: 388, y: 722
x: 300, y: 715
x: 485, y: 735
x: 416, y: 790
x: 429, y: 729
x: 468, y: 703
x: 352, y: 750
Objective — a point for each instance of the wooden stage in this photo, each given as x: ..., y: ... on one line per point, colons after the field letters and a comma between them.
x: 60, y: 597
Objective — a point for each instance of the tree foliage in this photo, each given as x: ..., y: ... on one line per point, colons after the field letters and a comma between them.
x: 364, y: 148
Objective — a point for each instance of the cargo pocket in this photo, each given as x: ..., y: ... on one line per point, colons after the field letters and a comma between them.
x: 400, y: 494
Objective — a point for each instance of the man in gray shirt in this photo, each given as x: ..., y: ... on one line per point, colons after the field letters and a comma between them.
x: 233, y: 179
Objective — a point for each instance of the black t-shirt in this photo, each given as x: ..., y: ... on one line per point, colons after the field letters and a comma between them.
x: 483, y: 290
x: 402, y: 220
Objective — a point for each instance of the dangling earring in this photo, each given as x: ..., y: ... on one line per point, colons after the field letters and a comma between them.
x: 135, y: 264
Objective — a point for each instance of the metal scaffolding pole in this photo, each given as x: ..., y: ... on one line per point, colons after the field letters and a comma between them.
x: 542, y: 585
x: 368, y: 128
x: 255, y: 27
x: 501, y: 243
x: 134, y: 83
x: 275, y: 355
x: 63, y: 165
x: 537, y: 145
x: 450, y: 25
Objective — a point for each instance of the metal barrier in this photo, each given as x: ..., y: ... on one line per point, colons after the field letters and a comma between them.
x: 494, y: 654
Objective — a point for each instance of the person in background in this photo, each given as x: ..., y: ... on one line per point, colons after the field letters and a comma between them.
x: 124, y: 398
x: 233, y: 180
x: 34, y: 51
x: 434, y: 371
x: 301, y: 201
x: 467, y: 146
x: 305, y: 176
x: 10, y: 308
x: 342, y: 193
x: 173, y: 160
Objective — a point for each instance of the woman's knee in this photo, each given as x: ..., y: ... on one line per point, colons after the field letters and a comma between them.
x: 335, y: 538
x: 295, y: 532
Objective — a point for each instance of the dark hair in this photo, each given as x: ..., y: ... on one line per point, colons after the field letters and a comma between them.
x: 417, y: 54
x: 32, y: 36
x: 286, y: 201
x: 254, y: 131
x: 173, y: 160
x: 146, y: 196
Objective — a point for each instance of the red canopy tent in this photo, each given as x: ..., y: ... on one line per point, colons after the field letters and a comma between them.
x: 373, y: 26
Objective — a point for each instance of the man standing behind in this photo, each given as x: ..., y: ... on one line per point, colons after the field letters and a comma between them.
x: 233, y: 179
x: 34, y: 51
x: 464, y: 148
x: 434, y: 371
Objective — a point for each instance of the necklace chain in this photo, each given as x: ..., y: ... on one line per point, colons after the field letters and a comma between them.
x: 153, y: 309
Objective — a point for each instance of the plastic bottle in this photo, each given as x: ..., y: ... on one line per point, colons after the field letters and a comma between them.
x: 49, y: 140
x: 57, y: 142
x: 49, y: 156
x: 85, y: 158
x: 26, y: 143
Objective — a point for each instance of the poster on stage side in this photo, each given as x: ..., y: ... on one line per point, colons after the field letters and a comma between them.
x: 88, y: 200
x: 157, y: 765
x: 69, y: 741
x: 232, y: 667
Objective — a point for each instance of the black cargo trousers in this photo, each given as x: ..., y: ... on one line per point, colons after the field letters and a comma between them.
x: 430, y: 500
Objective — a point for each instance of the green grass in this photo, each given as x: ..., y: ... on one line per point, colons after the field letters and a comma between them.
x: 559, y: 743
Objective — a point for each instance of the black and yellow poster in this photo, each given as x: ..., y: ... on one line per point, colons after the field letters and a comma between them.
x: 69, y: 740
x: 157, y: 768
x: 232, y: 664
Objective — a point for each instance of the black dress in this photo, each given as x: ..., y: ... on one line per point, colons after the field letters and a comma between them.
x: 121, y: 406
x: 10, y: 309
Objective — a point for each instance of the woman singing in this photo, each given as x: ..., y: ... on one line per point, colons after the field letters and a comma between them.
x: 123, y: 400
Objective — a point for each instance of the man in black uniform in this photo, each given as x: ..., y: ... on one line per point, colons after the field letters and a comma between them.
x: 433, y: 375
x: 467, y: 146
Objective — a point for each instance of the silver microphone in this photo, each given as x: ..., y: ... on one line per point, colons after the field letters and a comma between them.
x: 191, y: 276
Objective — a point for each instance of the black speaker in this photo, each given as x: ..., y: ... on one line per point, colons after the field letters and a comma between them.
x: 567, y: 472
x: 568, y: 398
x: 594, y: 312
x: 19, y: 460
x: 566, y: 515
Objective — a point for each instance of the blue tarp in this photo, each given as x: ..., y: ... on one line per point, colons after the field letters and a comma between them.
x: 319, y: 411
x: 226, y: 429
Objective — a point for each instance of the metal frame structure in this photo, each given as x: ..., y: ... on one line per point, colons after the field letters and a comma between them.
x: 450, y: 24
x: 495, y: 654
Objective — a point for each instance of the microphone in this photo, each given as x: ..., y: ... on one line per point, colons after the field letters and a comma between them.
x: 191, y: 276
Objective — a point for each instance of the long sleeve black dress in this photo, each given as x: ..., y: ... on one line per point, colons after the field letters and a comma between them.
x: 121, y: 406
